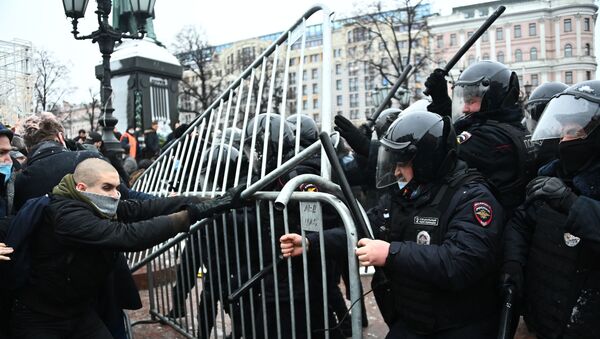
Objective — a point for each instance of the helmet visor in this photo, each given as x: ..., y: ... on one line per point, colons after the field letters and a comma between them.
x: 387, y: 161
x: 467, y: 99
x: 533, y: 112
x: 568, y: 117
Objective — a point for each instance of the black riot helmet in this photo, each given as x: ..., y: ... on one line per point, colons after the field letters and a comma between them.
x: 421, y: 137
x: 491, y: 82
x: 266, y: 127
x: 385, y: 119
x: 231, y: 132
x: 221, y: 168
x: 309, y: 132
x: 537, y: 102
x: 573, y: 117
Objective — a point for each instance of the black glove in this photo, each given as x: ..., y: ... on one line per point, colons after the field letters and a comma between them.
x: 553, y: 191
x: 512, y: 278
x: 230, y: 200
x: 437, y: 86
x: 357, y: 140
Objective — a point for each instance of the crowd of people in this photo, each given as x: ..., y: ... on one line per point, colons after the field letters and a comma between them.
x: 475, y: 200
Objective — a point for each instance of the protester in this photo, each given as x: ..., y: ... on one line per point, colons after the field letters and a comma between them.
x: 73, y: 251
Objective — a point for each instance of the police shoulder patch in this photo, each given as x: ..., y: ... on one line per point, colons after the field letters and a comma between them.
x: 483, y: 213
x: 463, y: 137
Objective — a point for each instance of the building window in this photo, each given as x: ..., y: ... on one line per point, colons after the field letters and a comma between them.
x: 586, y: 24
x: 453, y: 39
x: 568, y: 51
x: 534, y: 80
x: 339, y: 100
x: 440, y: 41
x: 588, y: 75
x: 352, y: 69
x: 337, y: 53
x: 533, y: 54
x: 315, y: 88
x: 485, y: 37
x: 517, y: 31
x: 354, y: 100
x: 292, y: 79
x: 499, y: 34
x: 569, y: 78
x: 486, y: 56
x: 315, y: 103
x: 304, y: 75
x: 469, y: 34
x: 338, y: 85
x: 567, y: 25
x: 353, y: 114
x: 353, y: 84
x: 303, y: 89
x: 314, y: 58
x: 532, y: 29
x: 588, y: 50
x: 500, y: 57
x: 518, y: 55
x: 314, y: 73
x: 471, y: 59
x: 359, y: 34
x: 338, y: 69
x: 304, y: 104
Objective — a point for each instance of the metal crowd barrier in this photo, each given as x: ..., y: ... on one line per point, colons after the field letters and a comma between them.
x: 193, y: 278
x: 261, y: 88
x: 189, y: 285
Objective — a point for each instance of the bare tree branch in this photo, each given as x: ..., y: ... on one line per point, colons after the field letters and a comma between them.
x: 50, y: 82
x: 397, y: 35
x: 196, y: 56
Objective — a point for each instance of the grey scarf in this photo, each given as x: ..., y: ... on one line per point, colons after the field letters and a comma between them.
x: 105, y: 204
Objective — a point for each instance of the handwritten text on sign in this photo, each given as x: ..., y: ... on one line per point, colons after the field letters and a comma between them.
x: 311, y: 217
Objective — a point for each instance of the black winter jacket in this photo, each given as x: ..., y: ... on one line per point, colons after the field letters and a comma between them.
x: 48, y: 164
x: 74, y: 250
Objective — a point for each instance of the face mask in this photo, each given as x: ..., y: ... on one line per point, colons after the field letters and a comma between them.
x: 105, y: 204
x: 401, y: 184
x: 575, y: 154
x: 6, y: 169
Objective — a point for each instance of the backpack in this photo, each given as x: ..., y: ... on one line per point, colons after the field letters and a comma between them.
x: 15, y: 273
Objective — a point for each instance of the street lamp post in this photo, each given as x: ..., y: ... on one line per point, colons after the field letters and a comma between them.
x: 106, y: 36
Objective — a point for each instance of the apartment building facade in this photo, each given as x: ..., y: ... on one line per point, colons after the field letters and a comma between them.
x: 354, y: 82
x: 540, y: 40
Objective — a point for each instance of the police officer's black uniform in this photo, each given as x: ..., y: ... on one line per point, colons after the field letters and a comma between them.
x: 444, y: 227
x: 493, y: 139
x: 553, y: 240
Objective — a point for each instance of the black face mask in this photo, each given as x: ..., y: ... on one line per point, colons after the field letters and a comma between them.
x: 575, y: 155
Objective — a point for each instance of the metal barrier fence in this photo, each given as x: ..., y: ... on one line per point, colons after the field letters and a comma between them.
x: 192, y: 277
x: 191, y: 284
x: 187, y: 167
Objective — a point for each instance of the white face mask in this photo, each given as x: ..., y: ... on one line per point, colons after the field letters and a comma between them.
x: 401, y: 184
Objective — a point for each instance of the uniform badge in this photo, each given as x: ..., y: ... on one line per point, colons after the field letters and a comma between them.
x: 483, y: 213
x: 571, y: 240
x: 423, y: 238
x: 463, y: 137
x: 309, y: 188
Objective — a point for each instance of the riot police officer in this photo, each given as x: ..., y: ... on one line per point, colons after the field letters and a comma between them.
x: 545, y: 150
x: 438, y: 229
x: 305, y: 129
x: 553, y: 239
x: 487, y: 117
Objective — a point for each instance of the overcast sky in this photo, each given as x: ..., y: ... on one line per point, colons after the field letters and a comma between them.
x: 44, y: 24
